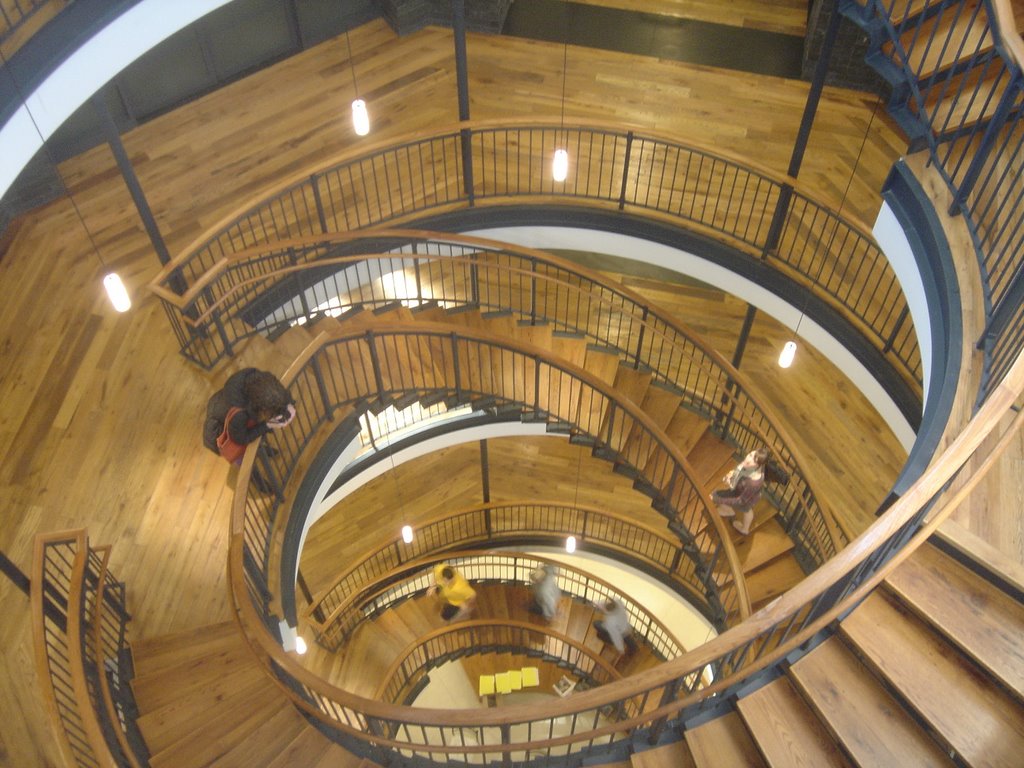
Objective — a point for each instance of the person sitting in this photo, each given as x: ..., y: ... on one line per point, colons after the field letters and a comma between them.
x: 457, y: 597
x: 249, y: 405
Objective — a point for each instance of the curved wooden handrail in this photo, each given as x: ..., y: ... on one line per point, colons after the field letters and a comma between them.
x: 711, y: 518
x: 280, y: 185
x: 1007, y: 29
x: 357, y: 600
x: 39, y: 621
x: 369, y: 553
x: 462, y: 626
x: 645, y: 314
x: 953, y: 459
x: 104, y: 687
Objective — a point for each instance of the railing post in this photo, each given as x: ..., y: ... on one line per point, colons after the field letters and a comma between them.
x: 640, y: 340
x: 533, y: 291
x: 625, y: 170
x: 771, y: 241
x: 896, y: 329
x: 321, y: 386
x: 293, y: 259
x: 456, y: 367
x: 466, y: 141
x: 320, y: 215
x: 378, y: 377
x: 474, y: 280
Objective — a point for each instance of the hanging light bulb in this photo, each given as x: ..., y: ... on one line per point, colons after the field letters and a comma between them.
x: 360, y: 118
x: 117, y: 293
x: 787, y: 354
x: 407, y: 534
x: 570, y: 544
x: 300, y: 645
x: 560, y: 165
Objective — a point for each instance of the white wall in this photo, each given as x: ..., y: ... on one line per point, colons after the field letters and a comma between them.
x: 86, y: 70
x: 694, y: 266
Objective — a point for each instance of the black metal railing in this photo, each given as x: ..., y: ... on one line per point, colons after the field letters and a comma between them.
x: 956, y: 68
x: 486, y: 637
x: 272, y: 288
x: 493, y: 524
x: 346, y: 375
x: 402, y: 583
x: 664, y: 698
x: 751, y: 210
x: 80, y: 629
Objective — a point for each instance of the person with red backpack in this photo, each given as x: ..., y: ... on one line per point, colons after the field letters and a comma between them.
x: 249, y: 405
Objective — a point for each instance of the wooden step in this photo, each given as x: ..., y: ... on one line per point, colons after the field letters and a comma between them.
x: 762, y: 545
x: 174, y: 721
x: 723, y: 741
x: 711, y: 459
x: 674, y: 755
x: 983, y: 621
x: 155, y: 691
x: 153, y: 654
x: 786, y: 730
x: 308, y: 748
x: 269, y: 738
x: 772, y: 580
x: 661, y: 405
x: 338, y: 757
x: 631, y: 385
x: 871, y: 726
x: 966, y: 709
x: 603, y: 363
x: 220, y: 732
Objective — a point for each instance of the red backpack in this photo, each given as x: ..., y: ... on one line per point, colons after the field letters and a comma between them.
x: 227, y: 447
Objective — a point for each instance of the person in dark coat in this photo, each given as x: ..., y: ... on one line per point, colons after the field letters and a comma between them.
x: 250, y: 404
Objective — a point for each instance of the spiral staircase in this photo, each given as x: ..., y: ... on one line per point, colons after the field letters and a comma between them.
x: 871, y: 686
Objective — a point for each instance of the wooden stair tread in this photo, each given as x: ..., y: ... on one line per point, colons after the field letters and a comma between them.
x: 308, y: 748
x: 983, y: 621
x: 674, y: 755
x: 969, y: 711
x: 267, y: 739
x: 339, y: 757
x: 772, y: 580
x: 722, y: 741
x: 178, y: 718
x: 710, y: 458
x: 872, y: 727
x: 220, y: 732
x: 786, y: 730
x: 761, y: 546
x: 155, y: 691
x: 152, y: 654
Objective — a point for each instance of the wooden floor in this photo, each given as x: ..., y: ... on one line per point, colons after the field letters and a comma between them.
x: 100, y: 418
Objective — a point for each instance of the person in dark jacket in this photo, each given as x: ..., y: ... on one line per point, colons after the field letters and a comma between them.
x: 256, y: 402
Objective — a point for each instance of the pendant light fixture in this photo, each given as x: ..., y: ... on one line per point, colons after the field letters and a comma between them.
x: 788, y: 353
x: 360, y: 114
x: 112, y: 283
x: 560, y: 162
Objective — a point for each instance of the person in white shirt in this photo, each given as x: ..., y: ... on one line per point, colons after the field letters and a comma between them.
x: 613, y: 627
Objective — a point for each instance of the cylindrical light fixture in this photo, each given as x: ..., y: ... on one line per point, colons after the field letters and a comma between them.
x: 117, y: 293
x: 300, y: 645
x: 560, y: 165
x: 407, y: 534
x: 787, y: 354
x: 360, y: 118
x: 570, y: 544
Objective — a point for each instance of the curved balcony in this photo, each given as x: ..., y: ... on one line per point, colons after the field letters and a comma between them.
x: 263, y: 290
x: 773, y: 228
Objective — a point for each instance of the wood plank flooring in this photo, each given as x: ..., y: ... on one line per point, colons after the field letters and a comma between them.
x: 100, y: 424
